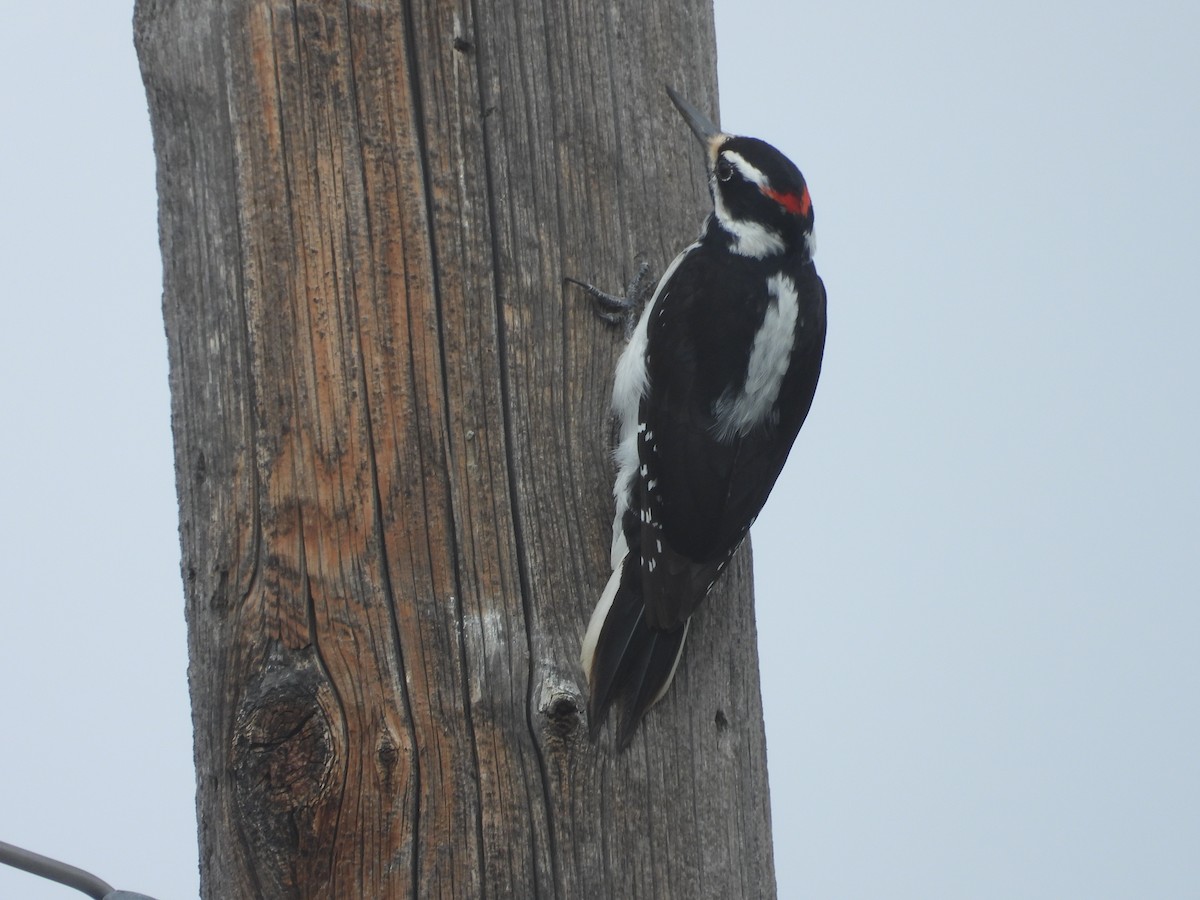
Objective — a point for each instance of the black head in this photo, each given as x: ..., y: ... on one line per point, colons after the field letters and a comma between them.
x: 759, y: 196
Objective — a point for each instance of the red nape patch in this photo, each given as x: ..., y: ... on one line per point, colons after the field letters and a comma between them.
x: 797, y: 204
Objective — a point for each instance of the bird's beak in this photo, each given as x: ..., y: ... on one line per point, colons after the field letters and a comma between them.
x: 706, y: 132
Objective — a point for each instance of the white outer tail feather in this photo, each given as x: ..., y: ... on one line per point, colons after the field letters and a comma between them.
x: 629, y: 386
x: 678, y: 656
x: 599, y: 614
x: 592, y: 636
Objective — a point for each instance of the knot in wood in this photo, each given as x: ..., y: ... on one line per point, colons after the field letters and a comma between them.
x: 285, y: 750
x: 560, y: 704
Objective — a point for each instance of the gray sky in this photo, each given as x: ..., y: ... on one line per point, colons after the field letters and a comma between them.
x: 979, y: 606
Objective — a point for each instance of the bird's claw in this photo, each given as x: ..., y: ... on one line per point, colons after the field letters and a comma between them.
x: 620, y: 310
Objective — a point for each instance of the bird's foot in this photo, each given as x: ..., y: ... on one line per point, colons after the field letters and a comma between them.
x: 625, y: 310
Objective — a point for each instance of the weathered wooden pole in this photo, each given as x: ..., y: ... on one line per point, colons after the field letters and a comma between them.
x: 392, y: 447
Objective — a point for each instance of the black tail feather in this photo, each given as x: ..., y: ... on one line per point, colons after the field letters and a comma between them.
x: 632, y: 663
x: 651, y: 671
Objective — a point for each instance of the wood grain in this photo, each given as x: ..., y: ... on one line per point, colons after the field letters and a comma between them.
x: 392, y: 441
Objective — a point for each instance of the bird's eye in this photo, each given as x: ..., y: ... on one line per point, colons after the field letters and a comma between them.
x: 724, y: 169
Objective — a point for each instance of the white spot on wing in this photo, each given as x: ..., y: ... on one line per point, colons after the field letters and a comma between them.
x: 629, y: 386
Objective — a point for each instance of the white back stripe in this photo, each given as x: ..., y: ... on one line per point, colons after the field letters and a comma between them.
x: 738, y: 412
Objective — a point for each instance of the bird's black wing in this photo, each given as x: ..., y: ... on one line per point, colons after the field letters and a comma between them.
x: 699, y: 494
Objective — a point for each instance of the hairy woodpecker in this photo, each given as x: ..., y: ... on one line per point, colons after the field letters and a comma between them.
x: 709, y: 394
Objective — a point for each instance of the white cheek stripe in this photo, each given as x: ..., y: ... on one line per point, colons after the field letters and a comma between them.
x: 749, y: 238
x: 738, y: 413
